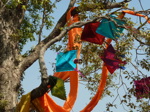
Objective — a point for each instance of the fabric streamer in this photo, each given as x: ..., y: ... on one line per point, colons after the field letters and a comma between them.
x: 89, y: 34
x: 135, y: 14
x: 74, y: 43
x: 47, y: 104
x: 102, y: 84
x: 100, y: 89
x: 74, y: 35
x: 24, y: 104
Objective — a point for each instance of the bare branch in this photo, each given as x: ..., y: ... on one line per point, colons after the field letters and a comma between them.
x: 29, y: 60
x: 137, y: 69
x: 109, y: 5
x: 53, y: 36
x: 42, y: 25
x: 42, y: 89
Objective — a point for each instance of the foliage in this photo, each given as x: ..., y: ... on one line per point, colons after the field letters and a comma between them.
x: 134, y: 44
x: 126, y: 45
x: 3, y: 103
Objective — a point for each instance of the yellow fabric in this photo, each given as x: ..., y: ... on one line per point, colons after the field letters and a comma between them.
x: 24, y: 104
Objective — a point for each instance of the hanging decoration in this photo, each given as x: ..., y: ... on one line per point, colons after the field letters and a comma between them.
x: 142, y: 88
x: 65, y: 61
x: 109, y: 29
x: 89, y: 34
x: 135, y: 14
x: 66, y: 66
x: 57, y: 87
x: 24, y: 104
x: 110, y: 59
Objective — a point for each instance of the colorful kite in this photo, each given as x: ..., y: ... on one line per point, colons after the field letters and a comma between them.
x: 47, y: 104
x: 89, y: 33
x: 108, y: 28
x: 142, y: 88
x: 57, y: 87
x: 111, y: 61
x: 66, y: 67
x: 65, y: 61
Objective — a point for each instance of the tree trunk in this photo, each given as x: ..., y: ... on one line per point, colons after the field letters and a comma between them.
x: 9, y: 60
x: 9, y: 85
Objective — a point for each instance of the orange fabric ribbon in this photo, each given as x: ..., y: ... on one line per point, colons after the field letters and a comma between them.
x: 74, y: 43
x: 134, y: 13
x: 100, y: 89
x: 74, y: 35
x: 49, y: 105
x: 46, y: 103
x: 102, y: 83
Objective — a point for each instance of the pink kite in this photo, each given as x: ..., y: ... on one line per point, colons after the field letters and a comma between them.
x: 142, y: 88
x: 111, y: 61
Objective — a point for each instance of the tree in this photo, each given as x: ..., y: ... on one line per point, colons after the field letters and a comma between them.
x: 24, y: 20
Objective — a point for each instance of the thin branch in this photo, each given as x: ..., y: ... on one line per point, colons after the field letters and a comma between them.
x: 141, y: 4
x: 42, y: 25
x: 137, y: 33
x: 137, y: 69
x: 42, y: 89
x: 42, y: 64
x: 109, y: 5
x: 4, y: 5
x: 51, y: 38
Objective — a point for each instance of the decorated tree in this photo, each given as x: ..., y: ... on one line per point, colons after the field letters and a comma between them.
x: 22, y: 21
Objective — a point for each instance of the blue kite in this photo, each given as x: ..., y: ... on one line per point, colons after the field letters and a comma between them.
x: 108, y: 28
x: 65, y: 61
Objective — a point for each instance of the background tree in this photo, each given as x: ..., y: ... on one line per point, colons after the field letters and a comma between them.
x: 22, y: 21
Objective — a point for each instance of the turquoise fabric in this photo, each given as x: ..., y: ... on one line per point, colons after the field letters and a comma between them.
x: 108, y: 28
x: 65, y: 61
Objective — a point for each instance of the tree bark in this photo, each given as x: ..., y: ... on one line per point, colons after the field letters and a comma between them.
x: 9, y: 59
x: 9, y: 85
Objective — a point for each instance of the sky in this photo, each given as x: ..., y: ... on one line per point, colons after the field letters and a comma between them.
x: 32, y: 74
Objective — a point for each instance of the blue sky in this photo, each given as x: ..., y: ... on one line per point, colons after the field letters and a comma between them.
x: 32, y: 78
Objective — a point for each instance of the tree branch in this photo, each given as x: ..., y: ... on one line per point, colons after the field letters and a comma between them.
x: 53, y: 36
x: 108, y: 5
x: 29, y: 60
x: 42, y: 89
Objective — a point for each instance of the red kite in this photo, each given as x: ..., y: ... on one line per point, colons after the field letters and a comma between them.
x: 89, y: 33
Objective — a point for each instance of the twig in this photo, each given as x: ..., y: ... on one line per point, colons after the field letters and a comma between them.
x: 137, y: 69
x: 42, y: 25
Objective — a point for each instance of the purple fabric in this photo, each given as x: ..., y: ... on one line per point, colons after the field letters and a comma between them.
x: 110, y: 60
x: 142, y: 88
